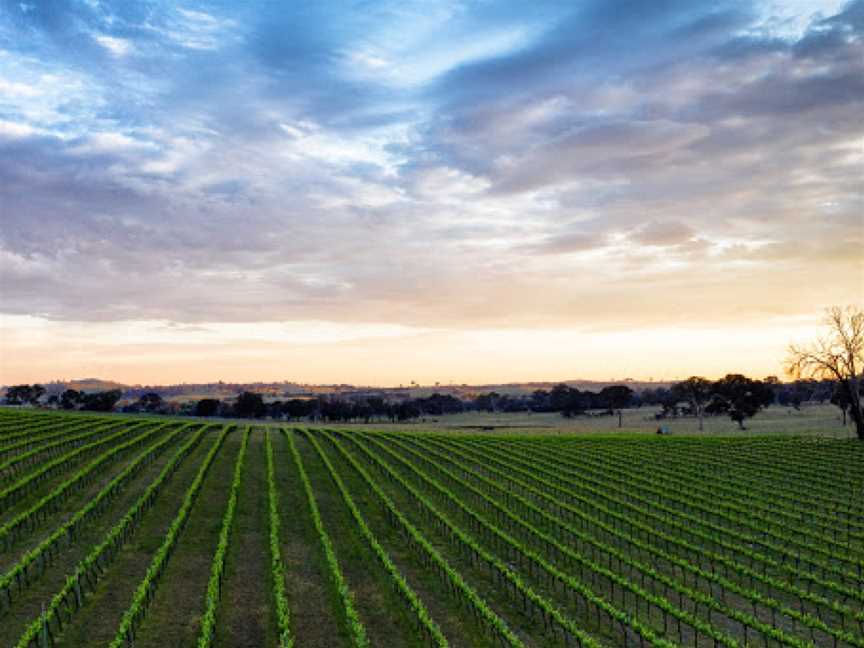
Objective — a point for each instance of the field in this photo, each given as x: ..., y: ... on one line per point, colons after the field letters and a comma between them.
x: 810, y: 420
x: 143, y: 531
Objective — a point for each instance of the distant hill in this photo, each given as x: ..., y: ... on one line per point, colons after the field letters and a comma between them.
x: 286, y: 389
x: 528, y: 387
x: 83, y: 384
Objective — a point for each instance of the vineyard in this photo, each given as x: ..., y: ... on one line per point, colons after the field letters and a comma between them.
x: 145, y: 532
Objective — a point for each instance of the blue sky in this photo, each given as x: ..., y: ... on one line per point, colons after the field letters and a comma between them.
x: 420, y: 175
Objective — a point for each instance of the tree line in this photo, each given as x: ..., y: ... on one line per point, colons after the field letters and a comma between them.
x: 70, y: 399
x: 734, y: 395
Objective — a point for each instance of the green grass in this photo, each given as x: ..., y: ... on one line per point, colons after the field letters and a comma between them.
x: 810, y: 420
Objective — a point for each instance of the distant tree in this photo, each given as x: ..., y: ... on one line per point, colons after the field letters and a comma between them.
x: 774, y: 384
x: 438, y: 404
x: 841, y: 400
x: 150, y: 402
x: 17, y: 394
x: 36, y: 392
x: 837, y: 355
x: 24, y: 394
x: 335, y: 409
x: 795, y: 394
x: 409, y: 410
x: 250, y: 405
x: 100, y: 401
x: 657, y: 396
x: 560, y: 397
x: 592, y: 400
x: 697, y: 392
x: 298, y: 408
x: 616, y: 398
x: 739, y: 397
x: 540, y: 401
x: 379, y: 406
x: 487, y: 402
x: 365, y: 411
x: 207, y: 407
x: 576, y: 403
x: 70, y: 399
x: 275, y: 409
x: 514, y: 403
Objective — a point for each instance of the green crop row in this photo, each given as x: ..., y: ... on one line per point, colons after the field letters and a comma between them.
x: 457, y: 585
x: 14, y: 465
x: 49, y: 502
x: 663, y: 488
x: 39, y: 437
x: 627, y: 512
x: 709, y: 603
x: 141, y: 599
x: 214, y: 585
x: 415, y: 604
x: 749, y: 483
x: 44, y: 630
x: 352, y: 619
x: 18, y: 577
x: 648, y: 546
x: 550, y: 615
x: 39, y: 427
x: 27, y: 483
x: 277, y: 568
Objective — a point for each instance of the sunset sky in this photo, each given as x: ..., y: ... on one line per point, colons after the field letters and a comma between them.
x: 385, y: 192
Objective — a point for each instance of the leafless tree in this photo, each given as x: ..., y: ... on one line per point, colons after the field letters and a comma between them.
x: 838, y: 355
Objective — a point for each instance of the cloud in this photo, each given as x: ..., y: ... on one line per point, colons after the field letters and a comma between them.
x: 664, y: 234
x: 595, y: 150
x: 445, y: 184
x: 427, y: 164
x: 13, y: 129
x: 566, y: 244
x: 116, y: 46
x: 16, y: 89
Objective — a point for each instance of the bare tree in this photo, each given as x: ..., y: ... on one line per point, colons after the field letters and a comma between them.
x: 837, y: 356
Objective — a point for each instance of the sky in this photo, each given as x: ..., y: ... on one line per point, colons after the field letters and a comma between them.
x: 434, y: 191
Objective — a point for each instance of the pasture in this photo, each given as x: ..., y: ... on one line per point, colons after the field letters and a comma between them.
x: 809, y: 420
x: 143, y: 531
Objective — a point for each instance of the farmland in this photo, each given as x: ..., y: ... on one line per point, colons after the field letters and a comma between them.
x: 132, y: 531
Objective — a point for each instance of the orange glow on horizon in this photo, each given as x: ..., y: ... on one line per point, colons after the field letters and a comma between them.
x: 36, y: 350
